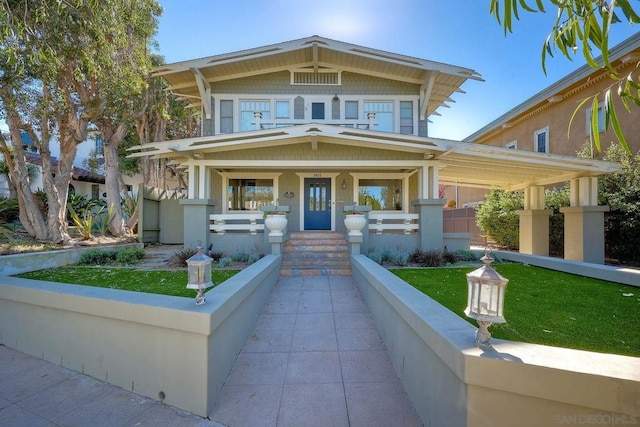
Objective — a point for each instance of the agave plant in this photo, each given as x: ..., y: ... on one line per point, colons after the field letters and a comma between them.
x: 84, y: 223
x: 103, y: 219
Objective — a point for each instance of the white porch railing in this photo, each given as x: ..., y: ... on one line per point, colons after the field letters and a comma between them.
x: 237, y: 222
x: 407, y: 223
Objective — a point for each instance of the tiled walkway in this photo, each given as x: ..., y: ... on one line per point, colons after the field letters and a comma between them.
x: 314, y: 359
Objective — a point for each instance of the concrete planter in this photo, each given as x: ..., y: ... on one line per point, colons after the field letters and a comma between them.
x: 355, y: 223
x: 275, y: 224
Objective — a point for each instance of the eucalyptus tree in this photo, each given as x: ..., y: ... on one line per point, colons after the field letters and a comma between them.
x: 582, y: 27
x: 63, y: 65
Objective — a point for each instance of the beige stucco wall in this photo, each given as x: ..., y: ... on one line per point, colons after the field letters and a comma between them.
x: 155, y: 345
x: 452, y: 382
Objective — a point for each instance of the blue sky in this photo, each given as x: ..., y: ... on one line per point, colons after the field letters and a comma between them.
x: 458, y: 32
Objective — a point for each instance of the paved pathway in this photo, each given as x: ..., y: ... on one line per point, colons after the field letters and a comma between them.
x: 314, y: 359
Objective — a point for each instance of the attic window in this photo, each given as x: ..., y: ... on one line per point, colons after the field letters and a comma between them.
x: 316, y: 77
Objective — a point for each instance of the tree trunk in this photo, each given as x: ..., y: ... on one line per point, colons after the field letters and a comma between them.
x: 112, y: 138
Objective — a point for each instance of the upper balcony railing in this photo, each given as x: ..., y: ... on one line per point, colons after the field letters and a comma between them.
x: 260, y: 123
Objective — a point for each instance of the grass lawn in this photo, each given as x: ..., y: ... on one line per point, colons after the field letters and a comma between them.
x: 165, y: 282
x: 547, y: 307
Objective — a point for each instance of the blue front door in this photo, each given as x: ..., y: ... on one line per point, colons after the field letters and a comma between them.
x: 317, y: 204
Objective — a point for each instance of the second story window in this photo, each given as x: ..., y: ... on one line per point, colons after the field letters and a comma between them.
x: 384, y: 115
x: 600, y: 119
x: 248, y: 110
x: 541, y: 140
x: 351, y: 110
x: 406, y: 117
x: 317, y: 111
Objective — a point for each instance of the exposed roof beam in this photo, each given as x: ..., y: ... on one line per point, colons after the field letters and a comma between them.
x: 205, y: 91
x: 425, y: 94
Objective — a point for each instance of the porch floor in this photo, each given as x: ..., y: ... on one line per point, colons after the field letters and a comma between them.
x: 314, y: 358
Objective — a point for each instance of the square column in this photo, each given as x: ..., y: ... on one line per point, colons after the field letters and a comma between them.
x: 196, y: 221
x: 534, y: 231
x: 431, y: 225
x: 584, y: 222
x: 584, y: 233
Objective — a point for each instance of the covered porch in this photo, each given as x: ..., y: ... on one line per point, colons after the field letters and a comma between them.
x: 316, y: 172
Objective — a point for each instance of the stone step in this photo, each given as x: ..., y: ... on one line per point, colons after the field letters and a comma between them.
x: 315, y: 253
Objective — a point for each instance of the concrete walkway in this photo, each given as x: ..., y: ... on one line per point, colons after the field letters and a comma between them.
x: 314, y: 359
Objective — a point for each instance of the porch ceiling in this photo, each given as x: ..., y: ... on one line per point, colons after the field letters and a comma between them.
x: 464, y: 164
x: 438, y: 79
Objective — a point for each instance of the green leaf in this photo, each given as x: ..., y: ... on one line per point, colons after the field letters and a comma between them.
x: 578, y: 108
x: 595, y: 131
x: 615, y: 124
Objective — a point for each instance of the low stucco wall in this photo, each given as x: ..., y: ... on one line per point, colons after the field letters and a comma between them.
x: 158, y: 346
x: 21, y: 263
x: 452, y: 382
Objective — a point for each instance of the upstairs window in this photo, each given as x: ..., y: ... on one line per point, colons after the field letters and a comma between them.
x: 406, y: 117
x: 384, y: 115
x: 600, y: 119
x: 247, y: 114
x: 317, y: 111
x: 226, y: 116
x: 541, y: 140
x: 351, y: 110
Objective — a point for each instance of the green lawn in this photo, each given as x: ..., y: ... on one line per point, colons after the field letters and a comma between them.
x: 547, y: 307
x: 165, y: 282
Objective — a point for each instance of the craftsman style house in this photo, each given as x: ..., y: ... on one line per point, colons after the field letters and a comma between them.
x: 316, y: 126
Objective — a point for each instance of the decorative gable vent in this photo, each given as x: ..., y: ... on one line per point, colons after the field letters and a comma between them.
x: 316, y: 77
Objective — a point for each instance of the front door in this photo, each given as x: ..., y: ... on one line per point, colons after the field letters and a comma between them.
x: 317, y: 204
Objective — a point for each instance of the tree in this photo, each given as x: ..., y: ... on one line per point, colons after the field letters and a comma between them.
x: 581, y: 28
x: 64, y: 65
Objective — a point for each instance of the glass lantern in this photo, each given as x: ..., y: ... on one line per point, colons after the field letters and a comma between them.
x: 199, y: 274
x: 485, y: 299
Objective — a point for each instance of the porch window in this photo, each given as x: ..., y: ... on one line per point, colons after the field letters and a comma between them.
x: 381, y: 194
x: 384, y: 115
x: 249, y: 194
x: 247, y: 110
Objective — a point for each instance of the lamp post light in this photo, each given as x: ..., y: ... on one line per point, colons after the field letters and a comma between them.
x: 485, y: 299
x: 199, y: 274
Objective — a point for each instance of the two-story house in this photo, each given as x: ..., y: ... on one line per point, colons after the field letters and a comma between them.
x: 317, y: 125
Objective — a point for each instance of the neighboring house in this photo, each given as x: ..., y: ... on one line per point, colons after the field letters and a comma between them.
x: 541, y: 123
x: 316, y: 124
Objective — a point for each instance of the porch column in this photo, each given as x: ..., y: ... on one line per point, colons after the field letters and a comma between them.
x: 196, y: 222
x: 534, y: 223
x: 428, y: 182
x: 584, y: 222
x: 431, y: 225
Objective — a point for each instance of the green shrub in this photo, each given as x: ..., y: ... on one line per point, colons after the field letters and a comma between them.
x: 253, y: 258
x: 497, y: 216
x: 466, y: 255
x: 225, y: 262
x: 375, y: 257
x: 427, y: 258
x: 129, y: 255
x: 240, y: 257
x: 98, y: 256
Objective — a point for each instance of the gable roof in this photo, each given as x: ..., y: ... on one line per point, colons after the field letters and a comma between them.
x: 77, y: 174
x: 438, y: 81
x: 624, y: 52
x: 460, y: 163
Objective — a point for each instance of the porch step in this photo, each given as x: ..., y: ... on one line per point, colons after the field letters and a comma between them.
x: 316, y: 253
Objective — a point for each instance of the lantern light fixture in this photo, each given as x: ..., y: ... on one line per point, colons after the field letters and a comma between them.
x: 485, y: 299
x: 199, y: 274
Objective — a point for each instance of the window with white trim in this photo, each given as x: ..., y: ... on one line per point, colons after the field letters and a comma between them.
x: 249, y: 193
x: 513, y: 145
x: 351, y: 110
x: 601, y: 124
x: 248, y: 110
x: 384, y: 114
x: 541, y: 140
x: 381, y: 194
x: 406, y: 117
